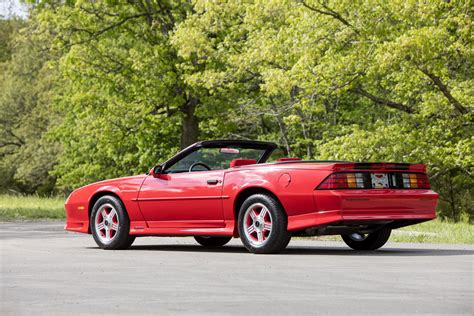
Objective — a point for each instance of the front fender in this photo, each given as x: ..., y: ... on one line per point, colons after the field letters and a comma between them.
x: 80, y: 202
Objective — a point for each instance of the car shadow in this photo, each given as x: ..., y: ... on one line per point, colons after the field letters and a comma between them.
x: 308, y: 250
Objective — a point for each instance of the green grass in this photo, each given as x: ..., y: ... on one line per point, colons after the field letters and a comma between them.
x: 31, y: 207
x: 437, y: 231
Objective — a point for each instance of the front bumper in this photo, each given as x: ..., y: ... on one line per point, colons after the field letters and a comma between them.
x: 77, y: 217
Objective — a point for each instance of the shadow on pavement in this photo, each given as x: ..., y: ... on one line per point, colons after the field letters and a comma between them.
x: 306, y: 250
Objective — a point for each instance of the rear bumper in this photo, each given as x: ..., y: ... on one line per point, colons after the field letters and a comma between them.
x: 367, y: 205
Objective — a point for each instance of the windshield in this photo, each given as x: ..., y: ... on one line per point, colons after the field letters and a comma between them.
x: 214, y: 159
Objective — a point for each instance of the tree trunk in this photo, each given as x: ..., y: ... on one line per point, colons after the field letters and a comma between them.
x: 283, y: 131
x: 309, y: 147
x: 190, y: 128
x: 452, y: 198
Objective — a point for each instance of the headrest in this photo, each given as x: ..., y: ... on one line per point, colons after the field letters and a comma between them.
x: 242, y: 162
x: 288, y: 159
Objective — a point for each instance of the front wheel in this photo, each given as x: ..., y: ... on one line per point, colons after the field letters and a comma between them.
x: 262, y: 224
x: 212, y: 242
x: 372, y: 241
x: 110, y: 224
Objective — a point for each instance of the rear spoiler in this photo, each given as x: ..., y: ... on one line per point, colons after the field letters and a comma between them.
x: 386, y: 166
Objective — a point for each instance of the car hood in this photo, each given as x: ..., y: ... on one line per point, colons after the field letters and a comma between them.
x: 124, y: 183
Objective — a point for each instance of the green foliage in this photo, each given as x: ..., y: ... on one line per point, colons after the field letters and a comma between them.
x: 133, y: 82
x: 31, y: 207
x: 371, y: 81
x: 122, y: 97
x: 26, y: 79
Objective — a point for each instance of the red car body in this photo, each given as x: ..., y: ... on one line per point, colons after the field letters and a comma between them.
x: 206, y: 203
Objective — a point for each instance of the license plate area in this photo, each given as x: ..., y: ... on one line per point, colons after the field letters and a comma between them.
x: 379, y: 180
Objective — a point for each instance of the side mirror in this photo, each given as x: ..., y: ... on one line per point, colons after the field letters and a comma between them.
x: 156, y: 171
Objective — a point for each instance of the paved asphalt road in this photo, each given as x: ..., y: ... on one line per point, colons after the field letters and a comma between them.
x: 49, y: 271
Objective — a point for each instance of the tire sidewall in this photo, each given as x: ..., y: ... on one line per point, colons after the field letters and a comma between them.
x: 124, y: 223
x: 279, y: 236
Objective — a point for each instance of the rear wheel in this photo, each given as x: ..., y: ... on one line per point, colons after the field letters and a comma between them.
x: 110, y: 224
x: 372, y: 241
x: 212, y: 242
x: 262, y: 224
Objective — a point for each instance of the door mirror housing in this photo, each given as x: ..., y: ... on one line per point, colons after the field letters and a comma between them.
x: 156, y: 171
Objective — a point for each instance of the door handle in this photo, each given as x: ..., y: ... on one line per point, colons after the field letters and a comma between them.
x: 213, y: 181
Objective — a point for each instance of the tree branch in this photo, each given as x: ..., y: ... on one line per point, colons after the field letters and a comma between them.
x: 95, y: 35
x: 444, y: 89
x: 5, y: 144
x: 19, y: 141
x: 282, y: 126
x: 329, y: 12
x: 381, y: 101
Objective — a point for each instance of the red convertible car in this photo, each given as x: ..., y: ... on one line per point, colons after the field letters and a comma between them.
x: 216, y: 190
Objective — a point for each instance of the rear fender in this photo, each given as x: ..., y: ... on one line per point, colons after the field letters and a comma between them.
x: 293, y: 189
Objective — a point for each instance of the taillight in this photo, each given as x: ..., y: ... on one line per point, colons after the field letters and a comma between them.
x: 415, y: 181
x: 343, y: 181
x: 365, y: 180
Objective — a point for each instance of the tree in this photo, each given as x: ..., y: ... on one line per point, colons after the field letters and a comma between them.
x: 125, y: 103
x: 135, y: 81
x: 26, y: 154
x: 358, y: 81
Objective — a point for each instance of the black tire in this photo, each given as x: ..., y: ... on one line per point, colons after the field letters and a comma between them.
x: 278, y: 238
x: 371, y: 241
x: 211, y: 241
x: 121, y: 239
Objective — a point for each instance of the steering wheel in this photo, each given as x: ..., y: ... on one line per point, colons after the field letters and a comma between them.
x: 198, y: 164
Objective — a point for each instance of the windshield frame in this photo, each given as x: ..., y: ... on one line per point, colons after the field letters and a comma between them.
x: 267, y: 147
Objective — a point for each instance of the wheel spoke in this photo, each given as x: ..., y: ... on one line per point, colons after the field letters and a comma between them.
x: 100, y: 226
x: 260, y: 236
x: 267, y: 226
x: 263, y: 213
x: 112, y: 214
x: 253, y: 215
x: 107, y: 233
x: 104, y: 214
x: 114, y: 226
x: 251, y: 229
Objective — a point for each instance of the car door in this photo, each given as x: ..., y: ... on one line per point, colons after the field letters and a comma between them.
x: 183, y: 200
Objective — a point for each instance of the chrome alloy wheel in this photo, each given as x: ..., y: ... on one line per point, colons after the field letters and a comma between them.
x: 106, y: 223
x: 358, y: 236
x: 257, y: 224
